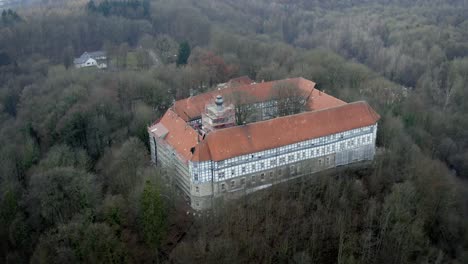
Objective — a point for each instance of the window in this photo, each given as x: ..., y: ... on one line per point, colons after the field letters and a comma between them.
x: 290, y: 157
x: 262, y: 165
x: 233, y: 171
x: 333, y: 147
x: 233, y: 183
x: 272, y: 162
x: 320, y: 162
x: 271, y: 175
x: 292, y: 169
x: 282, y: 160
x: 262, y: 176
x: 223, y: 187
x: 328, y: 149
x: 253, y: 167
x: 328, y: 160
x: 243, y: 169
x: 221, y: 175
x: 280, y: 171
x: 197, y: 189
x: 368, y: 139
x: 303, y: 154
x: 298, y: 168
x: 195, y: 176
x: 221, y: 163
x: 342, y: 146
x: 242, y: 181
x: 253, y: 179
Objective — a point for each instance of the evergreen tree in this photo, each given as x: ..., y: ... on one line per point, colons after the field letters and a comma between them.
x: 184, y: 53
x: 152, y: 214
x: 91, y: 6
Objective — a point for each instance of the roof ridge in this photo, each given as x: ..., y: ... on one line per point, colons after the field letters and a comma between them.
x: 293, y: 115
x: 239, y: 140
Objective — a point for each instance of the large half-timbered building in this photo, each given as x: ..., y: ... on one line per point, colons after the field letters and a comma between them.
x: 209, y: 156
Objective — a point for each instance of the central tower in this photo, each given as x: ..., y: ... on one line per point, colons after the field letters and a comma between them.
x: 217, y: 115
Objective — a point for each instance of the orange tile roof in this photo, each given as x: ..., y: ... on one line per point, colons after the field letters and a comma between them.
x: 180, y: 136
x: 240, y: 140
x: 192, y: 107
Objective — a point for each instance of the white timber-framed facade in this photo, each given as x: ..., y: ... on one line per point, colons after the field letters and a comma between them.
x: 234, y: 161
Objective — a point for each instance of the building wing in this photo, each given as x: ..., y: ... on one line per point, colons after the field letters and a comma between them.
x: 192, y: 107
x: 255, y: 137
x: 240, y: 140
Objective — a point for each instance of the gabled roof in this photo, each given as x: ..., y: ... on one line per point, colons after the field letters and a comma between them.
x: 192, y: 107
x: 94, y: 54
x: 81, y: 60
x: 240, y: 140
x: 87, y: 55
x: 180, y: 136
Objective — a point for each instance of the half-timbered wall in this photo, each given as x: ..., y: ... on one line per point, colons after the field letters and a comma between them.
x: 350, y: 146
x: 202, y: 181
x: 176, y: 167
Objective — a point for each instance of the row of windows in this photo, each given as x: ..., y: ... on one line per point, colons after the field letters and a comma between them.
x: 290, y: 158
x: 290, y: 147
x: 203, y: 173
x: 293, y: 169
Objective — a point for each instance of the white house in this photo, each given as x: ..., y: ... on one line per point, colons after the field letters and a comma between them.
x: 91, y: 59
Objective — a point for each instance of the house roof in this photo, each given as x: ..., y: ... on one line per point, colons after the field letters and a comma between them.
x: 192, y: 107
x: 87, y: 55
x: 240, y: 140
x: 176, y: 133
x: 94, y: 54
x: 81, y: 60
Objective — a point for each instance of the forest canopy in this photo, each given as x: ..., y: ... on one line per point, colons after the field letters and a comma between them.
x: 76, y: 184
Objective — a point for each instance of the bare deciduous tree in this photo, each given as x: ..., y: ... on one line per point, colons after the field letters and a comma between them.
x: 243, y: 107
x: 290, y: 99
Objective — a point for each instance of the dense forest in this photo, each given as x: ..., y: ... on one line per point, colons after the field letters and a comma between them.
x: 76, y: 184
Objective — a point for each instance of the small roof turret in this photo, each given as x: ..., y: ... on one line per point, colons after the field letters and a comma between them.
x: 219, y: 100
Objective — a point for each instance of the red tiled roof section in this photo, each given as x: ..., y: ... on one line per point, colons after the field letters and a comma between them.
x: 192, y: 107
x: 181, y: 136
x: 231, y: 142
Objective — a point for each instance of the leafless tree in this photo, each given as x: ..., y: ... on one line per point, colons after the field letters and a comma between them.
x: 244, y: 109
x: 290, y: 99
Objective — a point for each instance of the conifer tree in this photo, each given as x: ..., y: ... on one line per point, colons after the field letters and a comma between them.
x: 152, y: 214
x: 184, y: 53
